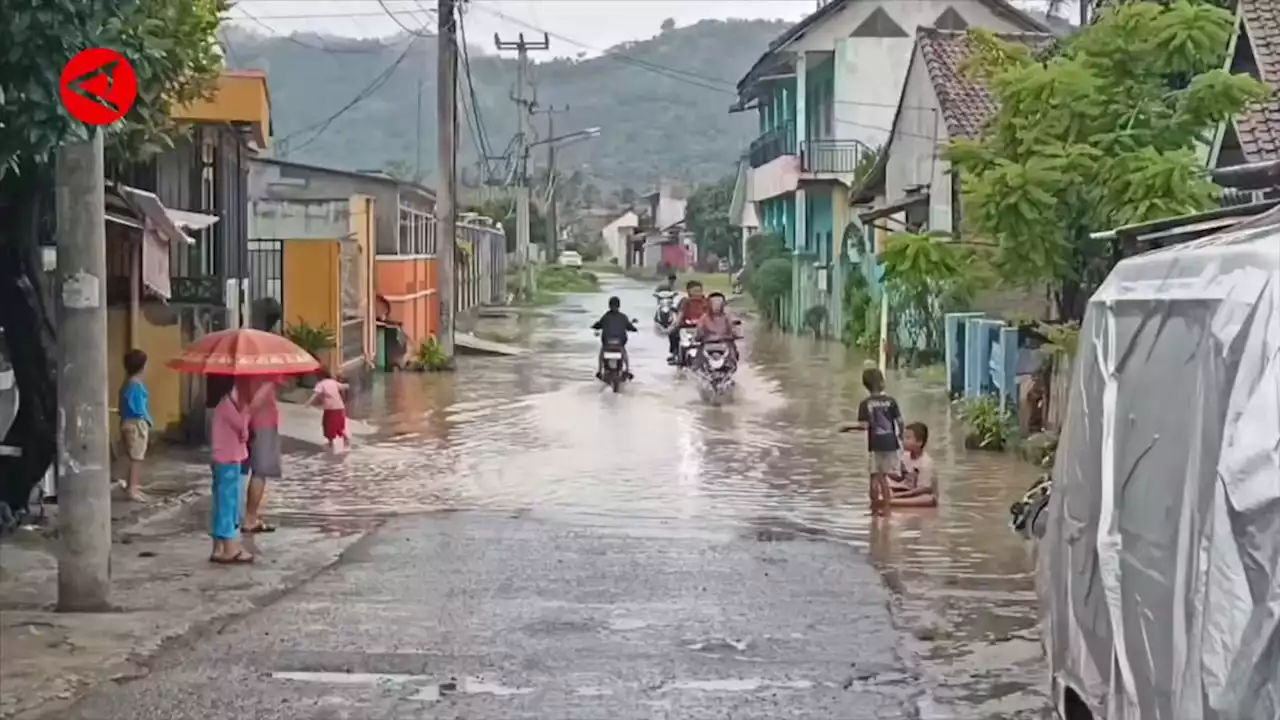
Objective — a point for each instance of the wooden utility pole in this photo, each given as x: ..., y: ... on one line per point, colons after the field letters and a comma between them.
x: 552, y: 214
x: 447, y: 192
x: 524, y: 256
x: 84, y: 489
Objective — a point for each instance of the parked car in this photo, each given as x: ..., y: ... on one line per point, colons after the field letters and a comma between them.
x: 570, y: 258
x: 1158, y: 569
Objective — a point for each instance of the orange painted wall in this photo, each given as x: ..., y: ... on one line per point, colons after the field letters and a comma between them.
x: 409, y: 285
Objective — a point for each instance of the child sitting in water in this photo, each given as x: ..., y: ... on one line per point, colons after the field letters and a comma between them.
x: 917, y: 486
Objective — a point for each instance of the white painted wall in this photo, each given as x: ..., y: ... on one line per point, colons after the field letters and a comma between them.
x: 779, y: 176
x: 870, y: 72
x: 915, y: 156
x: 616, y: 234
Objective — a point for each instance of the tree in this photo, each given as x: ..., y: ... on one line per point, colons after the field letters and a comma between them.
x: 706, y: 215
x: 926, y: 279
x: 173, y: 49
x: 1099, y: 135
x: 668, y: 25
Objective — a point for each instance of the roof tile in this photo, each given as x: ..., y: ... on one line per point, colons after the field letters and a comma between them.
x: 965, y: 105
x: 1259, y: 128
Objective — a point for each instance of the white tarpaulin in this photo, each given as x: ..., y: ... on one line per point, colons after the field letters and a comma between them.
x: 161, y: 227
x: 1160, y: 569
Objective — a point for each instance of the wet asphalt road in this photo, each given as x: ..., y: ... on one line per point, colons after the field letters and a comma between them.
x: 486, y: 616
x: 561, y: 552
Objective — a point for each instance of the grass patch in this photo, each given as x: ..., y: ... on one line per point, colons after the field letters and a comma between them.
x: 560, y: 279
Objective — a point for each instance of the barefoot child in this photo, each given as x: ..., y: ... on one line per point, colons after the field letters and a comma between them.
x: 135, y: 421
x: 328, y: 395
x: 880, y: 418
x: 918, y: 486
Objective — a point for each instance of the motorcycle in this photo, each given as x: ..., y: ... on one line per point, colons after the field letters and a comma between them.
x: 612, y: 371
x: 716, y: 371
x: 666, y: 312
x: 688, y: 351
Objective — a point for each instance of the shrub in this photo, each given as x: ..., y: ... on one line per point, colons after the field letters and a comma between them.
x: 987, y: 425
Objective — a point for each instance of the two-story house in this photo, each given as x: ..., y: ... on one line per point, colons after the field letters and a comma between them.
x: 826, y: 93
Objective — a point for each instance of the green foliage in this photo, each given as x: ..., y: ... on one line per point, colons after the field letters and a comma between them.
x: 170, y: 43
x: 430, y: 356
x: 770, y: 283
x: 1102, y: 134
x: 927, y: 277
x: 815, y: 319
x: 707, y: 217
x: 504, y: 211
x: 560, y: 279
x: 656, y: 124
x: 314, y: 339
x: 1063, y: 338
x: 987, y: 426
x: 861, y: 313
x: 763, y: 276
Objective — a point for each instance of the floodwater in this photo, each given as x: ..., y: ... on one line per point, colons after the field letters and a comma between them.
x: 538, y: 434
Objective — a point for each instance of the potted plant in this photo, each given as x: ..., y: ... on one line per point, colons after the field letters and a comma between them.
x: 315, y: 339
x: 429, y: 357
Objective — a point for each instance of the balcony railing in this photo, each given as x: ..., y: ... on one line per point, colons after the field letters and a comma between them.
x: 832, y: 156
x: 774, y: 143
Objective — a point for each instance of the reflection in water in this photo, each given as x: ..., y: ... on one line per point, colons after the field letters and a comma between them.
x: 536, y: 433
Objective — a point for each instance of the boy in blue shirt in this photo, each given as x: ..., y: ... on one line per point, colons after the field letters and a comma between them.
x: 135, y: 421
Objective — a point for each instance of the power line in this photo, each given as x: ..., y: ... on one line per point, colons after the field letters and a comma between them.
x: 479, y: 132
x: 373, y: 86
x: 418, y: 33
x: 322, y: 48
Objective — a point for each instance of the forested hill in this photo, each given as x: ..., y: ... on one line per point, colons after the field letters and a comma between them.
x: 662, y: 104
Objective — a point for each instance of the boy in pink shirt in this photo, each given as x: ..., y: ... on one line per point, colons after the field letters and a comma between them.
x: 328, y: 395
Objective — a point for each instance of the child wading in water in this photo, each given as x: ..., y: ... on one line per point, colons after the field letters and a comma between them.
x: 880, y: 418
x: 328, y: 395
x: 917, y: 486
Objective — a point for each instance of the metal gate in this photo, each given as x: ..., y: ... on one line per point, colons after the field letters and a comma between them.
x: 266, y: 284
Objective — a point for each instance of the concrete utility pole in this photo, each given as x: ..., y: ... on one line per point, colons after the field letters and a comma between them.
x: 524, y: 256
x: 84, y: 489
x: 553, y: 219
x: 447, y: 192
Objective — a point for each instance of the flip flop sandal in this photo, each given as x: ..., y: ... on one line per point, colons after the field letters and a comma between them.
x: 243, y: 557
x: 261, y: 528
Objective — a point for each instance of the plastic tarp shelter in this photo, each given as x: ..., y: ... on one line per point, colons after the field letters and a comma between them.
x: 1159, y: 571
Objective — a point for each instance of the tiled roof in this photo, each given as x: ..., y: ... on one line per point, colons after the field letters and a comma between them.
x: 965, y: 105
x: 1000, y: 8
x: 1259, y: 128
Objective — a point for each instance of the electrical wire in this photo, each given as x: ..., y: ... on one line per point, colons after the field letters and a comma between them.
x: 321, y: 48
x: 397, y: 21
x: 481, y: 134
x: 373, y: 86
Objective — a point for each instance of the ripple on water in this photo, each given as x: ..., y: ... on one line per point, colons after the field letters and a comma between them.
x: 536, y: 433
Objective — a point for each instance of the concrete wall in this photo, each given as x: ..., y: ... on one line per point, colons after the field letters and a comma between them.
x: 614, y: 236
x: 915, y: 156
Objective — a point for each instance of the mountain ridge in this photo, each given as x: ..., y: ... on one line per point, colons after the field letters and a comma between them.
x: 662, y: 103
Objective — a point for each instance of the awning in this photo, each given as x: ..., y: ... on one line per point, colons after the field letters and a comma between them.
x: 160, y: 226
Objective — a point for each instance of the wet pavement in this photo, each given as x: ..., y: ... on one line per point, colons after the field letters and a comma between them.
x: 633, y: 498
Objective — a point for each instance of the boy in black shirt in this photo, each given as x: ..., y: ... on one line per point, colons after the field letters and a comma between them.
x: 880, y: 418
x: 614, y: 326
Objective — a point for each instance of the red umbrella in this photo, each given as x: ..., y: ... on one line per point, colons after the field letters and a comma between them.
x: 244, y: 352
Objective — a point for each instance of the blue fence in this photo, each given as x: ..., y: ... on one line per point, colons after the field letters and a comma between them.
x: 984, y: 357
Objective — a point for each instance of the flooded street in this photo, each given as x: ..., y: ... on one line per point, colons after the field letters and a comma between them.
x: 536, y: 434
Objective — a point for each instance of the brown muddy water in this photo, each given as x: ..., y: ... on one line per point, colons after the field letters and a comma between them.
x: 536, y: 434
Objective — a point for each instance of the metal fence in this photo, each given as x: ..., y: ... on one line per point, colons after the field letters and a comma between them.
x: 772, y: 144
x: 266, y: 283
x: 832, y: 156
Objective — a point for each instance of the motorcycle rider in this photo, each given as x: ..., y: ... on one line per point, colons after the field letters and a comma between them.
x: 717, y: 325
x: 614, y: 326
x: 690, y: 310
x: 668, y: 285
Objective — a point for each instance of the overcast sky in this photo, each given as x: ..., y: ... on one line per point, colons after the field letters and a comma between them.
x: 575, y: 25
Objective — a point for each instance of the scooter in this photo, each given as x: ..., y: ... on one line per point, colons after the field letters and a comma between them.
x: 612, y: 371
x: 716, y: 371
x: 666, y: 312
